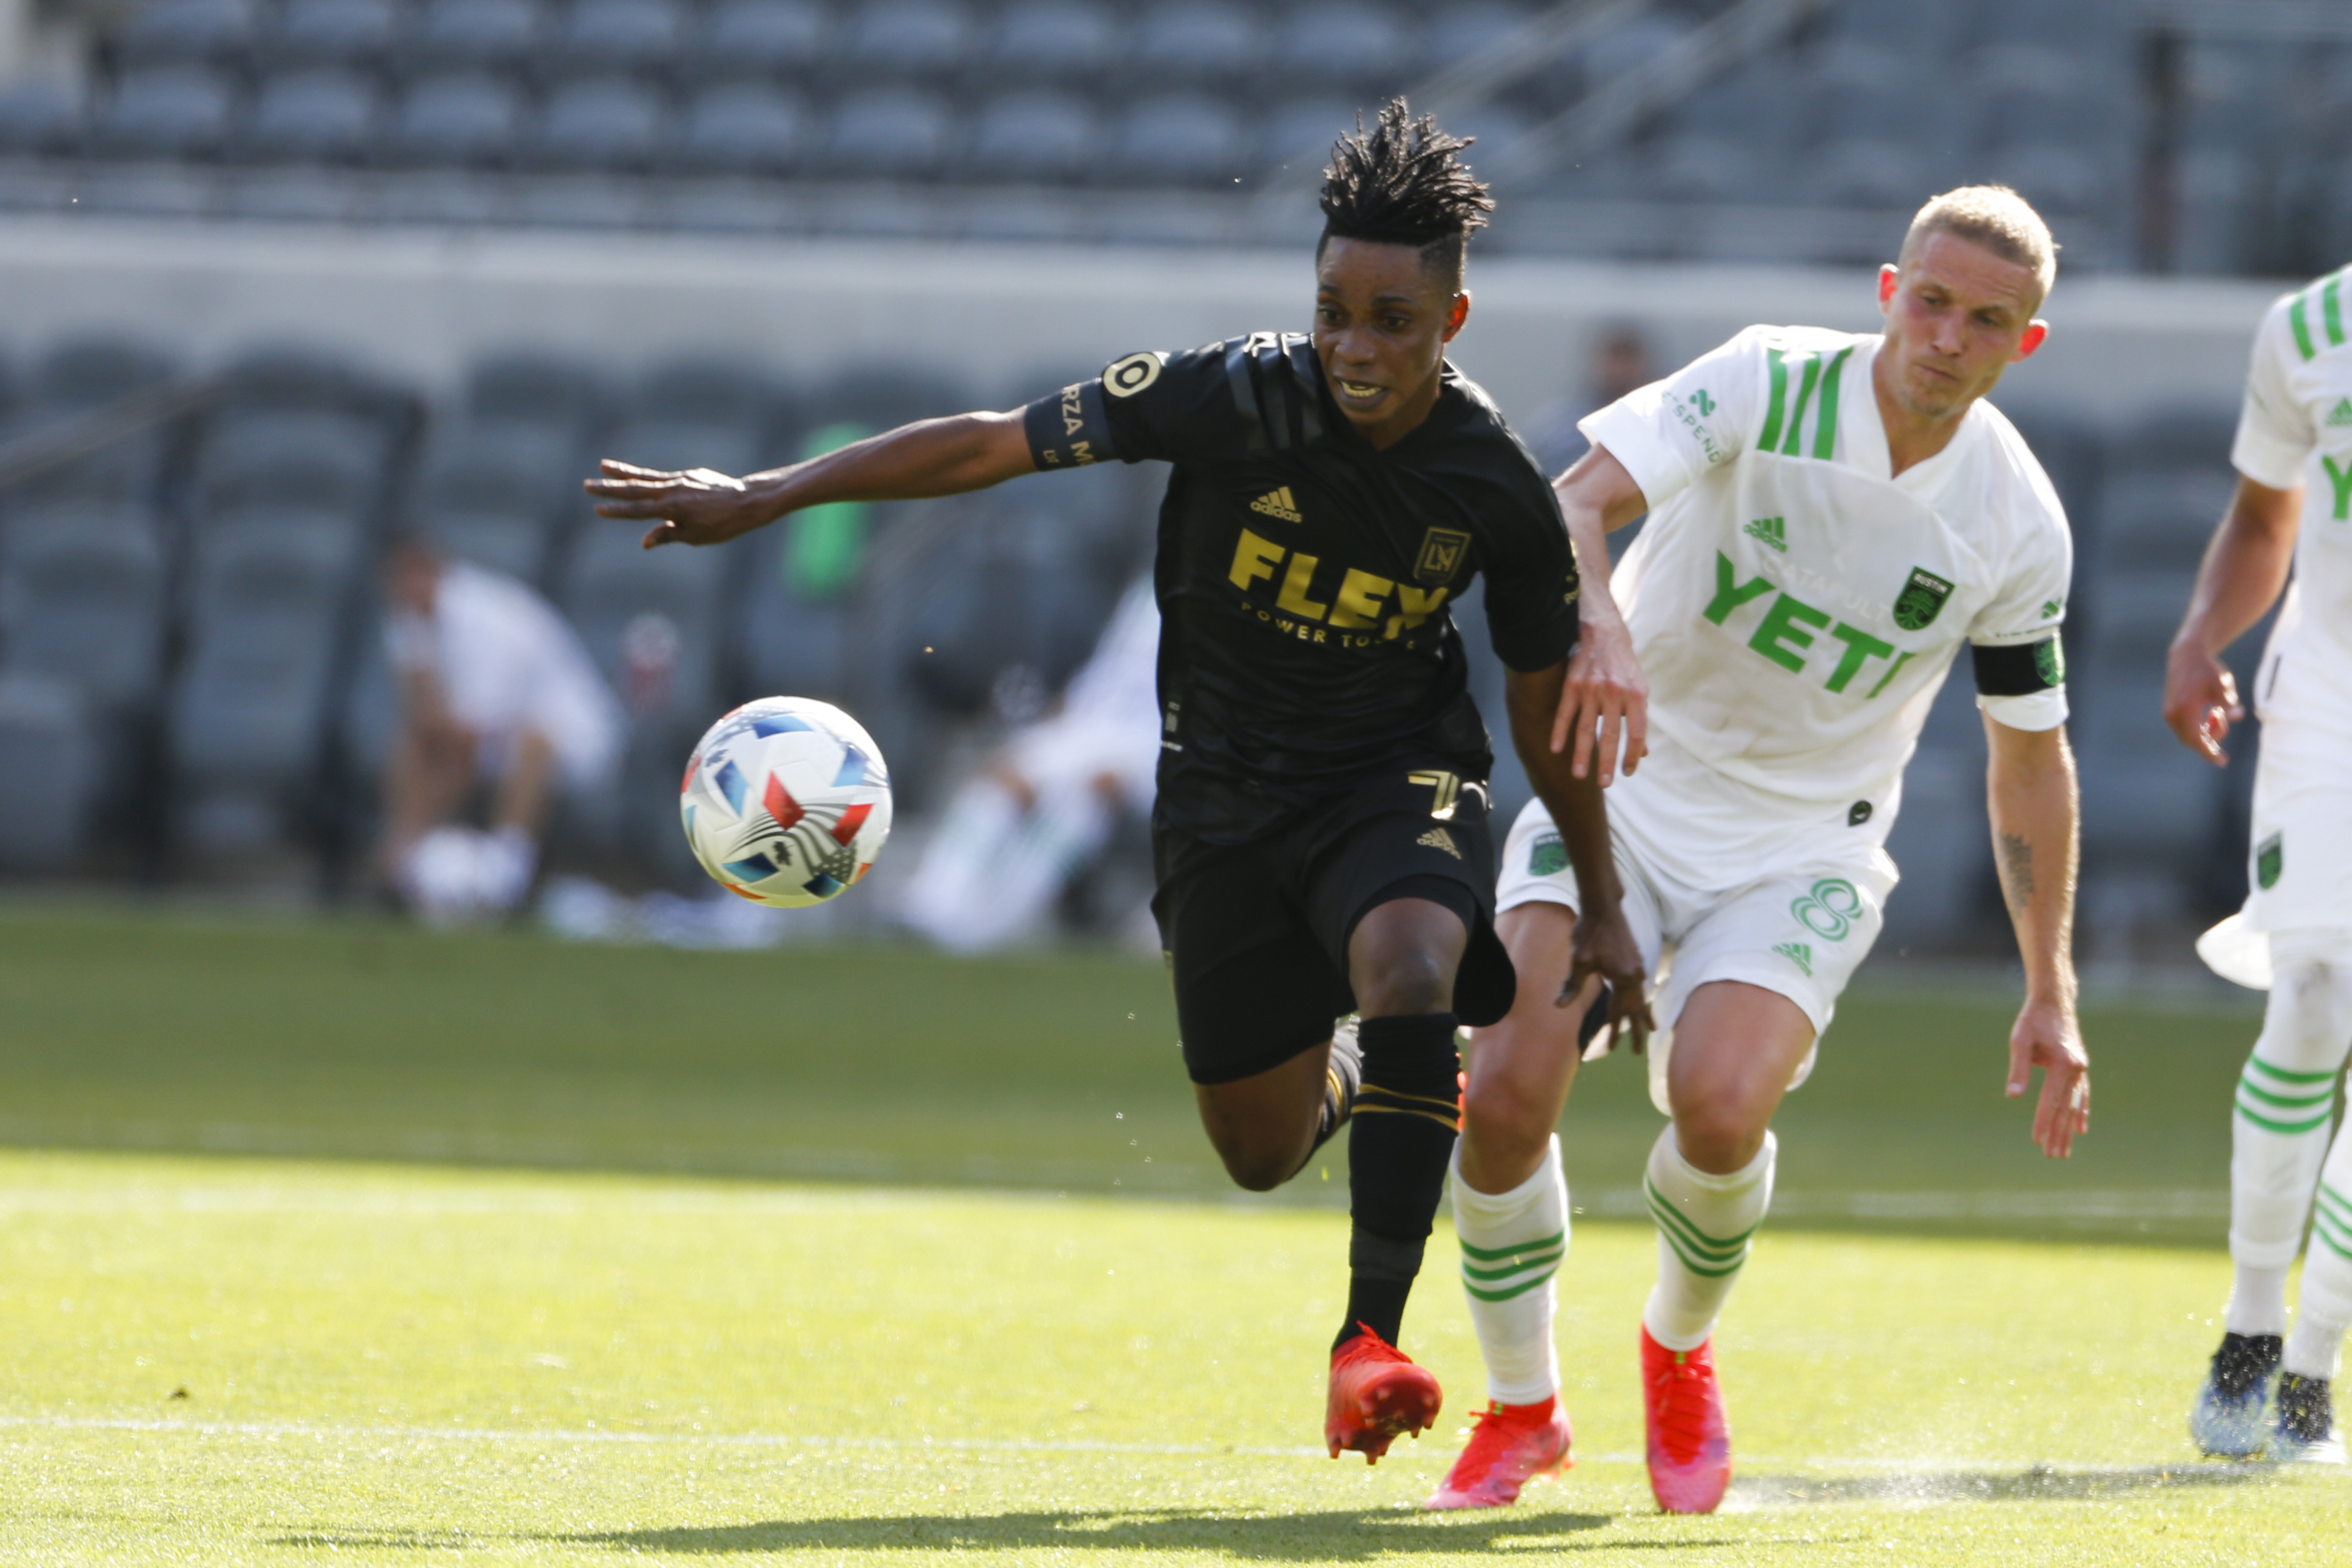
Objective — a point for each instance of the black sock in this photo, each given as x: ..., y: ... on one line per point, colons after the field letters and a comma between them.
x: 1404, y: 1125
x: 1340, y: 1084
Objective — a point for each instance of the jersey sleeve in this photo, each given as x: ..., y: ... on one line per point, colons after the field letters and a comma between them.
x: 1669, y: 432
x: 2275, y: 431
x: 1531, y: 583
x: 2015, y: 642
x: 1144, y: 406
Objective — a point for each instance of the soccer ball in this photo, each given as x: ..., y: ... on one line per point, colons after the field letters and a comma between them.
x: 786, y: 801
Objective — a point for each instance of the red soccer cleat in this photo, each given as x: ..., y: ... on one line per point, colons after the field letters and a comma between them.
x: 1690, y: 1439
x: 1377, y: 1391
x: 1512, y: 1446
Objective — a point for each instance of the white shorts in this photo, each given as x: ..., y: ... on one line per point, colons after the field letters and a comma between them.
x: 2299, y: 863
x: 1797, y: 924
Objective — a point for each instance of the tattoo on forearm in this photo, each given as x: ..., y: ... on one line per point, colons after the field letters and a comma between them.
x: 2016, y: 872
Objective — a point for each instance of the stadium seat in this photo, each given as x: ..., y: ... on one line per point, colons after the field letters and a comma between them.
x: 493, y: 491
x: 762, y: 38
x: 184, y: 32
x: 1731, y: 140
x: 897, y: 39
x: 476, y: 35
x: 167, y: 110
x: 1053, y: 40
x: 86, y: 371
x: 613, y: 589
x: 604, y: 123
x: 48, y: 773
x: 1299, y: 133
x: 1916, y: 29
x: 527, y: 387
x: 41, y: 116
x: 882, y: 397
x: 584, y: 201
x: 728, y: 394
x: 1035, y: 136
x: 1196, y: 41
x: 467, y: 118
x: 328, y: 461
x: 312, y: 116
x: 84, y: 592
x: 1451, y: 34
x: 1181, y: 139
x: 73, y: 378
x: 306, y: 195
x: 598, y: 37
x: 891, y: 132
x: 349, y: 32
x: 1344, y: 44
x: 742, y: 127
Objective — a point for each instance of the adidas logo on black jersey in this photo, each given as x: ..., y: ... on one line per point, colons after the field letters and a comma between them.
x: 1438, y: 838
x: 1277, y: 503
x: 2341, y: 414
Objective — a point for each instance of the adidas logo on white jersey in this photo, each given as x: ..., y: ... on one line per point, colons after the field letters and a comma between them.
x: 1797, y: 952
x: 1277, y: 503
x: 1772, y: 530
x: 2341, y: 414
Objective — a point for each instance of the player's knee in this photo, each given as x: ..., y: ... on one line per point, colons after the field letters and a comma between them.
x: 1256, y: 1170
x: 1505, y: 1116
x: 1403, y: 980
x: 2313, y: 994
x: 1717, y: 1138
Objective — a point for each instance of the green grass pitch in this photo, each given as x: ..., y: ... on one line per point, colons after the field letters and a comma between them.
x: 338, y: 1243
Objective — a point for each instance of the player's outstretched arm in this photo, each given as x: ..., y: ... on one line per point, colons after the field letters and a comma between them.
x: 1604, y: 698
x: 2239, y: 579
x: 914, y: 462
x: 1603, y: 943
x: 2029, y: 786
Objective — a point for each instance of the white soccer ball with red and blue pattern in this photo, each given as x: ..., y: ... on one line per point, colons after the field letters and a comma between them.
x: 786, y: 802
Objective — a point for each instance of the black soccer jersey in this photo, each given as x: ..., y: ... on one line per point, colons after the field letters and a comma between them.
x: 1305, y: 579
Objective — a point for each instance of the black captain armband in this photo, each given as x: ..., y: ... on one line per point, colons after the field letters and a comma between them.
x: 2020, y: 669
x: 1066, y: 429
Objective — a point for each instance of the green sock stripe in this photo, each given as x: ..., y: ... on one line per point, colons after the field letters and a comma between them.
x: 2284, y: 1076
x: 2269, y: 1125
x: 1704, y: 1268
x: 1547, y: 1263
x: 1519, y: 1250
x: 2333, y: 1220
x: 1508, y: 1291
x: 1722, y: 1245
x: 2330, y: 1199
x: 2286, y: 1102
x: 2339, y: 1245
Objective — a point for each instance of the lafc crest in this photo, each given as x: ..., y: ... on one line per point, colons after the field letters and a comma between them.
x: 1441, y: 553
x: 1921, y: 601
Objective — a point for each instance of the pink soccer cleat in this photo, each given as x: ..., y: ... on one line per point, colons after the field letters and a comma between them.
x: 1377, y: 1391
x: 1690, y: 1438
x: 1512, y: 1444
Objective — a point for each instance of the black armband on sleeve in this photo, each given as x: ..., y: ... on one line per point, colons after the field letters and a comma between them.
x: 2020, y: 669
x: 1066, y: 429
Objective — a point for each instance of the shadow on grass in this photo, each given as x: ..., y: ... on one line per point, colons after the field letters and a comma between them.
x: 2040, y: 1484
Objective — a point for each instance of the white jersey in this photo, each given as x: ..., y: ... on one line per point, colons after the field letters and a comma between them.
x: 1795, y: 606
x: 505, y: 662
x: 2296, y: 429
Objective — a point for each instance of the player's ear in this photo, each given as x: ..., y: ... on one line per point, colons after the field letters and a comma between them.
x: 1887, y: 277
x: 2037, y: 332
x: 1456, y: 314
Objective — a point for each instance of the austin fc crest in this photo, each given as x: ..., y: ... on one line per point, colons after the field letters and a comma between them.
x: 1921, y: 601
x: 1442, y: 550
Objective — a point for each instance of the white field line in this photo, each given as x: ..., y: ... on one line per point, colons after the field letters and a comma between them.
x: 2098, y: 1206
x: 271, y: 1431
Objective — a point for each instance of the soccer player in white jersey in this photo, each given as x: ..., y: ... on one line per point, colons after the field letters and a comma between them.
x: 1830, y: 517
x: 2292, y: 508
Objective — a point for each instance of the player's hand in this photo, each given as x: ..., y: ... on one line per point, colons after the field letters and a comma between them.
x: 696, y: 506
x: 1603, y: 947
x: 1605, y: 699
x: 2200, y: 701
x: 2046, y: 1037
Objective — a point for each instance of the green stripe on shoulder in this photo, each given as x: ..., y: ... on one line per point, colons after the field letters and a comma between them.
x: 2300, y: 319
x: 1812, y: 376
x: 1777, y: 361
x: 2331, y: 310
x: 1825, y: 424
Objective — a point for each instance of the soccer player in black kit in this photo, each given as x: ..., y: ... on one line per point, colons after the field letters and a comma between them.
x: 1321, y: 831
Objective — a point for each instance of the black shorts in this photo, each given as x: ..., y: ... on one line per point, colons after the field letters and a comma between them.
x: 1256, y: 935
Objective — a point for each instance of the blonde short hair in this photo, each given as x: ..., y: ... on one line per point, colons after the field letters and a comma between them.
x: 1995, y: 218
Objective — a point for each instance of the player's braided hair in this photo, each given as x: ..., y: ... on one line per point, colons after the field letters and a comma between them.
x: 1404, y: 183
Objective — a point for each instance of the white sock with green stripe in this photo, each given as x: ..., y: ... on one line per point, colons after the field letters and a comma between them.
x: 1512, y: 1244
x: 2284, y: 1106
x: 2326, y: 1307
x: 1705, y: 1224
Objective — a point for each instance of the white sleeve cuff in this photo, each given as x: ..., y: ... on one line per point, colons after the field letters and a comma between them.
x: 2267, y: 460
x: 2036, y: 710
x: 1656, y: 465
